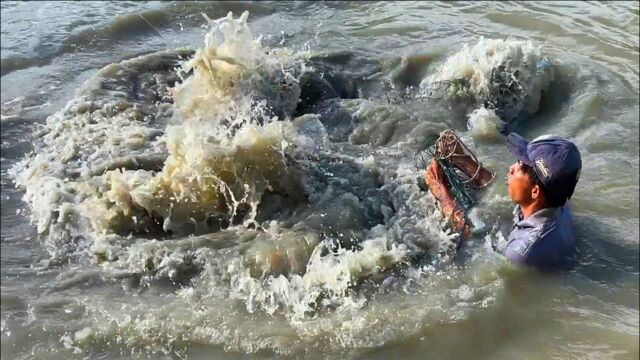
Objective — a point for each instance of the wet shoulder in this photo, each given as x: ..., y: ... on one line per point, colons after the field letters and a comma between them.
x: 551, y: 241
x: 541, y: 238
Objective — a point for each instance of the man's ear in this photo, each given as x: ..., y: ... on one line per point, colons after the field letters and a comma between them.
x: 536, y: 193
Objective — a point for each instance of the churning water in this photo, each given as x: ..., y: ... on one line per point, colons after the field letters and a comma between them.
x: 215, y: 180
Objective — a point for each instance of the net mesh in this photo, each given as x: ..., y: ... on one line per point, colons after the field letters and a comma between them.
x: 443, y: 149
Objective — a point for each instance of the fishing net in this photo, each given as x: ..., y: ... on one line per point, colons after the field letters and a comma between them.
x: 434, y: 90
x: 465, y: 175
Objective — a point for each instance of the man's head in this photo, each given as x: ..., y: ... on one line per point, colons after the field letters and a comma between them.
x: 546, y: 172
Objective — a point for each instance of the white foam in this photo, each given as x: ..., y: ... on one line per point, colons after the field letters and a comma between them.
x: 223, y: 148
x: 509, y: 74
x: 483, y: 124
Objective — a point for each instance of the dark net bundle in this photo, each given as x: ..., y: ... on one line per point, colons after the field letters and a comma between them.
x: 444, y: 149
x: 506, y: 92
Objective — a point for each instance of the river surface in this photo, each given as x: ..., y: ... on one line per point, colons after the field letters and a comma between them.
x: 180, y: 182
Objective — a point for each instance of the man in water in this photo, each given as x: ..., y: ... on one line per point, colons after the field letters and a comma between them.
x: 540, y: 183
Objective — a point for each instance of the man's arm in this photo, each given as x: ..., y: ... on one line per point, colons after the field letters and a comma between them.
x: 520, y: 249
x: 517, y: 251
x: 435, y: 179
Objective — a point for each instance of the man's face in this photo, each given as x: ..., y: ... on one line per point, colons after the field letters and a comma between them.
x: 519, y: 185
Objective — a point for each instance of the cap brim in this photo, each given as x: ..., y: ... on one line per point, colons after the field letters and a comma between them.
x: 518, y: 146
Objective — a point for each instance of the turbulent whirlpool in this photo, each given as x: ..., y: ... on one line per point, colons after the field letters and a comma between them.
x: 214, y: 180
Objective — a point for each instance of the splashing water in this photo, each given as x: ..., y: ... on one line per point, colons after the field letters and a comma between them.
x: 506, y: 77
x: 306, y: 235
x: 209, y: 170
x: 179, y: 144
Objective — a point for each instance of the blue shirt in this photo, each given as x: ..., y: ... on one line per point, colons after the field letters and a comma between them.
x: 544, y: 239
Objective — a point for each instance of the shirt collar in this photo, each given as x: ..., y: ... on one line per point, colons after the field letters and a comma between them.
x: 537, y: 218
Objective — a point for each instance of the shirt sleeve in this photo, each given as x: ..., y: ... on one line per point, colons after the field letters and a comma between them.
x: 519, y: 249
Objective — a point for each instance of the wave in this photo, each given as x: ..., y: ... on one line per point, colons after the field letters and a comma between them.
x: 506, y: 78
x: 152, y: 22
x: 194, y: 173
x: 93, y: 38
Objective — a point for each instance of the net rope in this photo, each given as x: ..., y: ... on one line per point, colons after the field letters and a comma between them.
x: 444, y: 149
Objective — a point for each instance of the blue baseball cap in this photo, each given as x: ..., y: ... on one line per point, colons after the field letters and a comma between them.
x: 555, y: 160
